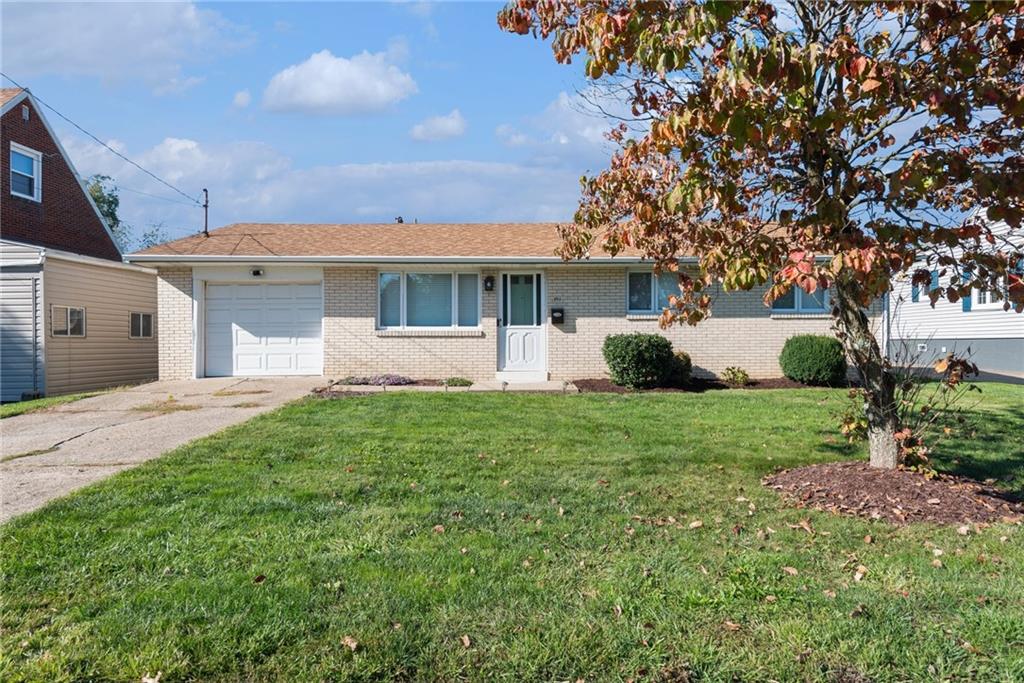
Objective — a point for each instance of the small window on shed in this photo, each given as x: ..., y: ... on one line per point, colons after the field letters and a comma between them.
x: 141, y: 326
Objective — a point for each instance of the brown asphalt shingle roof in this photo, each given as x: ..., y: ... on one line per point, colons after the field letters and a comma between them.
x: 8, y: 94
x: 464, y: 240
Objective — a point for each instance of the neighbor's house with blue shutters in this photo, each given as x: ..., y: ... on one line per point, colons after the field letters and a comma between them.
x: 976, y: 325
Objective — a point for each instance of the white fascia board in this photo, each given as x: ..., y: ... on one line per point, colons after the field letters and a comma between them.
x: 93, y: 261
x: 186, y: 259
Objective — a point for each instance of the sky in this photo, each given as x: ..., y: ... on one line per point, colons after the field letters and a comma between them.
x: 310, y: 112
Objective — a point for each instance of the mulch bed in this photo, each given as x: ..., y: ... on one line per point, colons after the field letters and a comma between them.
x: 697, y: 385
x: 895, y: 496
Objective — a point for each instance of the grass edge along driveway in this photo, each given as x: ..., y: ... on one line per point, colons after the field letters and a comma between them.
x: 525, y: 537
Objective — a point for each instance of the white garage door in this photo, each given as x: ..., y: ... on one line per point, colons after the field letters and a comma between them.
x: 264, y: 330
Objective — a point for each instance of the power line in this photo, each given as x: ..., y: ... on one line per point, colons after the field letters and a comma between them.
x: 111, y: 149
x: 122, y: 188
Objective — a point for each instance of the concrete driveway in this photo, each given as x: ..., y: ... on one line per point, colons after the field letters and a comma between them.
x: 51, y: 453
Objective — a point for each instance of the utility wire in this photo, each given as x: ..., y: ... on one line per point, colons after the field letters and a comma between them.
x: 111, y: 149
x: 122, y: 188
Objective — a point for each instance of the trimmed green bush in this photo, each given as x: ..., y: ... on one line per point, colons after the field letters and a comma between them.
x: 457, y: 382
x: 638, y: 360
x: 681, y: 368
x: 814, y: 359
x: 736, y: 376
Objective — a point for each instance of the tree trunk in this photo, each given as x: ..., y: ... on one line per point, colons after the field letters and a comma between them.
x: 879, y: 384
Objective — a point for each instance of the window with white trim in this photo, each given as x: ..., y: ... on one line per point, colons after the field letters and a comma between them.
x: 26, y: 173
x: 647, y: 293
x: 797, y: 300
x: 428, y: 300
x: 140, y: 325
x: 67, y: 321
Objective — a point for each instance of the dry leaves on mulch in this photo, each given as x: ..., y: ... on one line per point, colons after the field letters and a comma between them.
x: 896, y: 496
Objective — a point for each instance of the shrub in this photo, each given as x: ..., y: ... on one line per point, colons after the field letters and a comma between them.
x: 735, y: 376
x: 457, y: 382
x: 379, y: 380
x: 681, y: 368
x: 638, y: 360
x: 813, y: 359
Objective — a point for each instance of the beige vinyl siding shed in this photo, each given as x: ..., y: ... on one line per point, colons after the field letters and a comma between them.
x: 106, y: 356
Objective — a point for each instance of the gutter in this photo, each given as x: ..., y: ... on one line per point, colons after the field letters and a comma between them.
x: 189, y: 259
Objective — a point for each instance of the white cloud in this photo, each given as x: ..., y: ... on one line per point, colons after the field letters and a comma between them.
x: 241, y: 99
x: 148, y: 42
x: 254, y: 182
x: 326, y: 84
x: 177, y: 86
x: 569, y: 131
x: 450, y: 125
x: 510, y: 136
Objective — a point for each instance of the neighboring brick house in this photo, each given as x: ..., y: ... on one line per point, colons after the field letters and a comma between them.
x: 482, y: 301
x: 73, y: 315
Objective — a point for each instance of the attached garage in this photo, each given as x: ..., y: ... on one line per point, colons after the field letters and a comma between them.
x: 263, y: 329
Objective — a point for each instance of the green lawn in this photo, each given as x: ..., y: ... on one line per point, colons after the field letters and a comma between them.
x: 22, y: 407
x: 254, y: 554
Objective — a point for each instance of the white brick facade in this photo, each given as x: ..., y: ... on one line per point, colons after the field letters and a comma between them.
x: 174, y: 311
x: 741, y: 332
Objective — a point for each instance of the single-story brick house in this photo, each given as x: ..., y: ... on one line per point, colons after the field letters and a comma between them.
x: 481, y: 301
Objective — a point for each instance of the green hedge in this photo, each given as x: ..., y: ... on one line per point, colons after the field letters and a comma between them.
x: 640, y: 361
x: 814, y: 359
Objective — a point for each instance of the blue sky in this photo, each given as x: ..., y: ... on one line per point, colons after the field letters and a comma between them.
x: 310, y: 112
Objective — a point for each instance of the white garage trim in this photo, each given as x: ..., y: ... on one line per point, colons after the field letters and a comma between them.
x: 290, y: 276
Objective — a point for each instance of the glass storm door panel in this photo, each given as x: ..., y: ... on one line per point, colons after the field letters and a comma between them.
x: 521, y: 337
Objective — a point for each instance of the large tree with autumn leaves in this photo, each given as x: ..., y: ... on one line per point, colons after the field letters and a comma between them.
x: 807, y: 143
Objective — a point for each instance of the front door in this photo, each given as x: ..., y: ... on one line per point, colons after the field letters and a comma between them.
x: 521, y: 335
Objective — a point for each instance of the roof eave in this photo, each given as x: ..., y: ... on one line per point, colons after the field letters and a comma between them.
x: 518, y: 260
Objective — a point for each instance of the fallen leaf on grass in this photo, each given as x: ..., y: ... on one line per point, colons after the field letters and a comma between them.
x: 152, y: 679
x: 859, y: 611
x: 869, y: 539
x: 696, y: 524
x: 617, y: 610
x: 439, y: 529
x: 466, y: 642
x: 350, y: 642
x: 804, y: 524
x: 860, y: 573
x: 260, y: 578
x: 792, y: 571
x: 831, y: 594
x: 937, y: 564
x: 730, y: 625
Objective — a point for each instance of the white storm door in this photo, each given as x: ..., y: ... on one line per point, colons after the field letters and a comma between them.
x: 263, y: 329
x: 521, y: 333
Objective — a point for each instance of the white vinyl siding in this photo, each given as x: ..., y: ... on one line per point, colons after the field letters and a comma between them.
x: 21, y: 345
x: 919, y: 320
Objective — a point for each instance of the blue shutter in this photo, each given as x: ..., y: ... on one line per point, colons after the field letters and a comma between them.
x: 966, y: 301
x: 915, y: 293
x: 935, y: 280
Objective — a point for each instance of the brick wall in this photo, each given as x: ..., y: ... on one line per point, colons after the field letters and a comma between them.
x: 174, y: 312
x: 64, y: 219
x: 741, y: 331
x: 353, y: 345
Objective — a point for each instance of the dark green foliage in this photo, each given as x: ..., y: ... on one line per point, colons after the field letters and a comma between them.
x: 814, y: 359
x: 638, y: 360
x: 458, y: 382
x: 682, y: 366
